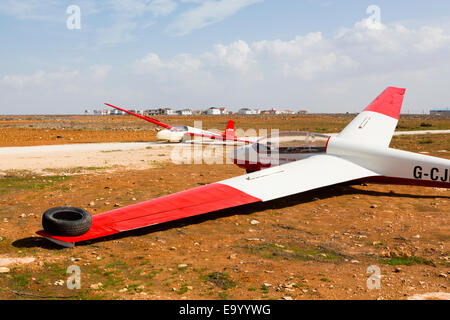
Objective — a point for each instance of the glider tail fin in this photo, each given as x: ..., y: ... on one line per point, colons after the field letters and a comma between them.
x: 229, y: 131
x: 376, y: 123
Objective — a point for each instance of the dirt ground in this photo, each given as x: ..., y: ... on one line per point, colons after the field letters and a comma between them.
x: 316, y: 245
x: 50, y: 130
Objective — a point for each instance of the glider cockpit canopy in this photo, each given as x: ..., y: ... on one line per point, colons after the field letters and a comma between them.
x: 179, y: 128
x: 292, y: 142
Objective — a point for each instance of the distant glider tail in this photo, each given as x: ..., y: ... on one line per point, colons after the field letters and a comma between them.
x: 377, y: 123
x: 229, y: 131
x: 154, y: 121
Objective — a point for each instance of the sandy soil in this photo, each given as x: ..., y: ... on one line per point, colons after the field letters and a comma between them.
x: 49, y: 130
x: 83, y: 157
x: 316, y: 245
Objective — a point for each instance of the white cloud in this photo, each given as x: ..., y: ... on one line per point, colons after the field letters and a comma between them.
x: 237, y: 56
x: 39, y: 79
x: 207, y: 13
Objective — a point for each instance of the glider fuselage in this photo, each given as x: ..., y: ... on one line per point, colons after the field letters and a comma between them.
x: 391, y: 165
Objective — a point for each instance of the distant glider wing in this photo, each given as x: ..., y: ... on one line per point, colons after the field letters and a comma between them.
x: 154, y: 121
x: 221, y: 137
x: 276, y: 182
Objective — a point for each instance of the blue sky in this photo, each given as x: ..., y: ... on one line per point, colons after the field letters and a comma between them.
x: 323, y: 56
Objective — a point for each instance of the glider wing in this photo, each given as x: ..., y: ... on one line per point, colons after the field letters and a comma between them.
x: 276, y: 182
x: 154, y: 121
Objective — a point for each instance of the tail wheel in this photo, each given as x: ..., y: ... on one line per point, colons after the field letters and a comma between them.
x: 66, y: 221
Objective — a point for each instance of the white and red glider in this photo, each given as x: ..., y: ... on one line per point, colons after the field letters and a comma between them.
x: 179, y: 133
x: 304, y: 161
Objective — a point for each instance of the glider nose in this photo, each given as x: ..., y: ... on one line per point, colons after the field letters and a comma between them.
x: 163, y: 135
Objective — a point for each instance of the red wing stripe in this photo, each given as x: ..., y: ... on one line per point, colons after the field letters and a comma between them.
x: 154, y: 121
x: 172, y: 207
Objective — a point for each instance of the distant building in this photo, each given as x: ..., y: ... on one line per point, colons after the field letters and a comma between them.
x: 247, y: 111
x: 213, y: 111
x: 288, y: 112
x: 152, y: 112
x: 272, y: 111
x: 440, y: 111
x: 168, y: 112
x: 116, y: 112
x: 302, y: 112
x: 140, y: 112
x: 101, y: 112
x: 185, y: 112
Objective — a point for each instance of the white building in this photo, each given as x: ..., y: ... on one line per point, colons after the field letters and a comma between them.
x: 247, y: 111
x: 185, y: 112
x: 213, y: 111
x: 102, y: 112
x: 141, y: 112
x: 272, y: 111
x: 440, y: 111
x: 116, y: 112
x: 168, y: 112
x: 152, y: 112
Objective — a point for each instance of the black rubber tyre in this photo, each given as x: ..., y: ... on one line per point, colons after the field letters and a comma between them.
x: 66, y: 221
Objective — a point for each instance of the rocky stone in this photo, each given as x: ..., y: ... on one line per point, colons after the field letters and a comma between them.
x: 4, y: 270
x: 59, y: 283
x: 431, y: 296
x: 8, y: 261
x: 96, y: 286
